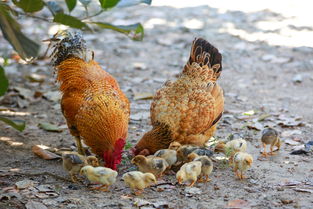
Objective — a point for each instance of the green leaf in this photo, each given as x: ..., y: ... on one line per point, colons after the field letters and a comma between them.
x: 70, y: 4
x: 49, y: 127
x: 129, y: 3
x: 17, y: 124
x: 69, y: 21
x: 85, y: 2
x: 4, y: 83
x: 135, y: 31
x: 29, y: 5
x: 128, y: 145
x: 106, y: 4
x: 12, y: 32
x: 54, y: 7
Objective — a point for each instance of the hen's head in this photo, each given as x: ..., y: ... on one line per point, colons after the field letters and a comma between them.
x: 157, y: 138
x: 145, y: 145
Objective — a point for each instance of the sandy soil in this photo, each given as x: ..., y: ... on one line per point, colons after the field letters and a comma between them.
x: 265, y: 69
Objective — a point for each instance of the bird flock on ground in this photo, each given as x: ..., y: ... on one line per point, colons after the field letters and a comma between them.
x: 193, y: 163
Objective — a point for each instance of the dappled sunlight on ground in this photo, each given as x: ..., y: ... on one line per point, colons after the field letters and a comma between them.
x: 289, y: 22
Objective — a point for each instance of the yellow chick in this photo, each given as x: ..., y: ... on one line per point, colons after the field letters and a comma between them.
x: 235, y: 145
x: 73, y: 162
x: 242, y: 161
x: 270, y: 136
x: 174, y: 145
x: 167, y: 154
x: 231, y: 147
x: 102, y: 175
x: 189, y: 172
x: 150, y: 164
x: 206, y: 165
x: 137, y: 180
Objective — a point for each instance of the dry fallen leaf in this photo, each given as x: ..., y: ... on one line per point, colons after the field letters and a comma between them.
x: 43, y: 153
x: 24, y: 184
x: 34, y: 77
x: 35, y: 205
x: 237, y: 204
x: 142, y: 96
x: 292, y: 142
x: 49, y: 127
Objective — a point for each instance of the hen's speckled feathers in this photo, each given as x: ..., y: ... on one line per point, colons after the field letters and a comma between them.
x: 190, y: 107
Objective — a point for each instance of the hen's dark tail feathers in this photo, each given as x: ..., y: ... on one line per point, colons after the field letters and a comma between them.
x: 72, y: 45
x: 203, y: 53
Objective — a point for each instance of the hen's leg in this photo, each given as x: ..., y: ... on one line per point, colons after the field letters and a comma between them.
x: 79, y: 145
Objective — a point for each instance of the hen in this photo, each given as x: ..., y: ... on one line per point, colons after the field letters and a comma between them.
x: 188, y: 109
x: 95, y: 108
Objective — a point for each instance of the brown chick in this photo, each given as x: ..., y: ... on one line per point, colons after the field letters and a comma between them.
x: 73, y: 162
x: 137, y: 180
x: 102, y: 175
x: 93, y: 161
x: 206, y: 165
x: 174, y: 145
x: 241, y: 162
x: 169, y: 155
x: 187, y: 110
x: 184, y: 151
x: 150, y: 164
x: 270, y: 136
x: 189, y: 172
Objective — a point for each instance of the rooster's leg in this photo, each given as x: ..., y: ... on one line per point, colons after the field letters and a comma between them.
x: 79, y: 145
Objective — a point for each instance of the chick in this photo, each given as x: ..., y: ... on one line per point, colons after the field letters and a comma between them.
x: 72, y: 163
x: 231, y: 147
x: 235, y: 145
x: 184, y: 151
x: 206, y: 165
x: 102, y: 175
x: 189, y: 172
x: 201, y: 151
x: 242, y: 161
x: 167, y: 154
x: 93, y: 161
x: 270, y: 136
x: 150, y: 164
x: 174, y: 145
x: 137, y: 180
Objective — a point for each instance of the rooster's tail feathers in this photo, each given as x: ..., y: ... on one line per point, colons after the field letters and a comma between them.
x: 203, y: 53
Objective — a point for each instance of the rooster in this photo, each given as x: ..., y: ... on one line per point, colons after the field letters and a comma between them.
x: 95, y: 108
x: 188, y: 109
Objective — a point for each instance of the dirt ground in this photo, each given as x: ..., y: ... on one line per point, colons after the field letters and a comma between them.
x: 267, y: 68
